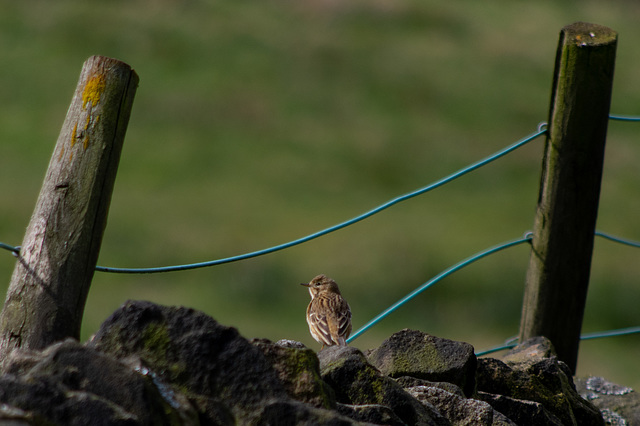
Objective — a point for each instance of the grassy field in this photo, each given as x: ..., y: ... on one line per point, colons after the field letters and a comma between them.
x: 260, y: 122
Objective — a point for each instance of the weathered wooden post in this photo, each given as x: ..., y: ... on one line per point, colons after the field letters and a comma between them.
x: 49, y: 286
x: 560, y: 262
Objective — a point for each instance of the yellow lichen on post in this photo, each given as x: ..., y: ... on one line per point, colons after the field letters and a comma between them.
x: 50, y: 283
x: 73, y: 135
x: 93, y: 90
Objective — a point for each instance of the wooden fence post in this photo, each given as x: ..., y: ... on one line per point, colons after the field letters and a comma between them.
x: 50, y: 282
x: 560, y: 262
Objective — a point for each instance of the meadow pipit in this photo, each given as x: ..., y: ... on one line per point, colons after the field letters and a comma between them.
x: 328, y: 314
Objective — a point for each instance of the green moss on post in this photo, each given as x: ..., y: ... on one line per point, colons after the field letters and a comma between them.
x: 560, y: 262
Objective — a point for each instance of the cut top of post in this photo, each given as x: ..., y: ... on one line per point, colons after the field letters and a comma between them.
x: 584, y: 34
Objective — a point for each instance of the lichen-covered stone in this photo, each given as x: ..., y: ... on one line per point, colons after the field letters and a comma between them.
x: 356, y: 382
x: 619, y: 404
x: 191, y: 351
x: 536, y: 348
x: 70, y: 384
x: 227, y: 379
x: 459, y: 410
x: 156, y: 365
x: 299, y: 370
x: 291, y: 412
x: 371, y: 413
x: 13, y: 416
x: 410, y: 382
x: 417, y: 354
x: 522, y: 412
x: 533, y: 373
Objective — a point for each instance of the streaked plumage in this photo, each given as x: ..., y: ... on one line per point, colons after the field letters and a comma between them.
x: 328, y: 314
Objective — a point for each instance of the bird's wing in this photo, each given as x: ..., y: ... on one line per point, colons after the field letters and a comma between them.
x: 320, y: 326
x: 344, y: 321
x: 339, y: 322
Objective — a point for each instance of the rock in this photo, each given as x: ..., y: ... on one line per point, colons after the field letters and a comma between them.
x: 286, y: 343
x: 520, y: 411
x: 12, y: 416
x: 620, y: 405
x: 228, y: 379
x: 417, y: 354
x: 299, y: 370
x: 371, y: 413
x: 356, y: 382
x: 70, y: 384
x: 613, y: 418
x: 457, y: 409
x: 533, y: 373
x: 296, y: 413
x: 156, y: 365
x: 409, y: 382
x: 191, y: 351
x: 535, y: 348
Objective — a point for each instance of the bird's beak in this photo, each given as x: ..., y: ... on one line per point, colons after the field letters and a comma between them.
x: 305, y: 284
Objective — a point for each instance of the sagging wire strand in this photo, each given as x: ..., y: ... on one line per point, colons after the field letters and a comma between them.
x: 541, y: 130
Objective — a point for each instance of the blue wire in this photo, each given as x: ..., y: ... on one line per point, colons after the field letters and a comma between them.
x: 14, y: 250
x: 497, y: 349
x: 610, y: 333
x: 618, y: 239
x: 541, y: 130
x: 437, y: 278
x: 586, y: 336
x: 623, y: 118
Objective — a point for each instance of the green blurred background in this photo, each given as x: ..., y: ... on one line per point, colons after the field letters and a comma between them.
x: 258, y: 122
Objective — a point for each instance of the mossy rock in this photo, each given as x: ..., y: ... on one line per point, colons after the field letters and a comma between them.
x: 356, y: 382
x: 299, y: 370
x: 423, y: 356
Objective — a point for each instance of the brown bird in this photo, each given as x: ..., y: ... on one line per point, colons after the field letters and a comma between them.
x: 328, y: 314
